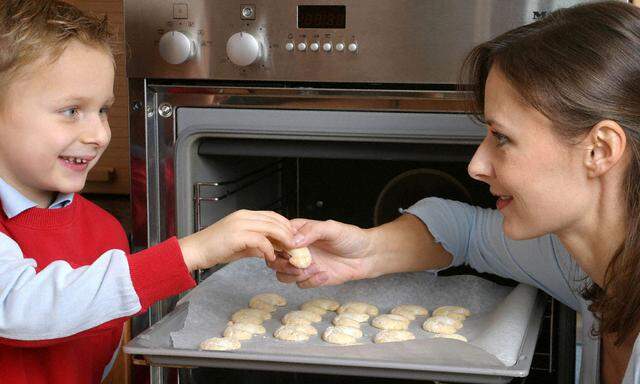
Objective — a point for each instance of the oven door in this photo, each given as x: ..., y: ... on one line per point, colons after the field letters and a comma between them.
x: 351, y: 155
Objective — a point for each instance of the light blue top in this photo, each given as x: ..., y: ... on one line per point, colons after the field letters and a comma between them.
x: 474, y: 236
x: 14, y: 203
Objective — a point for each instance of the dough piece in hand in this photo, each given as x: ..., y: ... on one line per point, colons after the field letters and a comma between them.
x: 341, y: 335
x: 271, y: 299
x: 454, y: 336
x: 301, y: 317
x: 441, y: 324
x: 242, y: 331
x: 300, y: 257
x: 410, y: 311
x: 391, y: 336
x: 391, y: 321
x: 452, y: 311
x: 310, y: 307
x: 220, y: 344
x: 291, y: 333
x: 250, y: 315
x: 358, y: 307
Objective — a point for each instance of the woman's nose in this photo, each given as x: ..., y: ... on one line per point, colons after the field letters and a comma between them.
x: 480, y: 167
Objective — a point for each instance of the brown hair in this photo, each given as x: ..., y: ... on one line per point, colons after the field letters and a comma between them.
x: 579, y: 66
x: 35, y: 29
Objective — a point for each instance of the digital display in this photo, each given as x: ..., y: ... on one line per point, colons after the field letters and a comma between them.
x: 322, y: 16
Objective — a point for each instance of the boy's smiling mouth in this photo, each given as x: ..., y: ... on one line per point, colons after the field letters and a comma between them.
x: 76, y: 163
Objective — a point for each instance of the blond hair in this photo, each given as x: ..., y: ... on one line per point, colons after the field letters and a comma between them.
x: 31, y: 30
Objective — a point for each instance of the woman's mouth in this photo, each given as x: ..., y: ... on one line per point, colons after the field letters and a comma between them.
x: 503, y: 201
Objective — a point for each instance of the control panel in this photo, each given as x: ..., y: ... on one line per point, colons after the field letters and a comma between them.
x: 393, y: 41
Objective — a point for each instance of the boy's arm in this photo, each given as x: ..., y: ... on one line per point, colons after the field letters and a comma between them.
x: 60, y: 301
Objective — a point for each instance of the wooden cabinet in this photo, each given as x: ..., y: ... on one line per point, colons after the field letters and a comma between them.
x: 111, y: 174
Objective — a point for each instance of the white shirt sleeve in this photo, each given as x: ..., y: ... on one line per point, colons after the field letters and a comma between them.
x: 474, y: 236
x: 60, y: 301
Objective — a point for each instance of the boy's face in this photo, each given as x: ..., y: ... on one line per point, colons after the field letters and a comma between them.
x: 53, y: 124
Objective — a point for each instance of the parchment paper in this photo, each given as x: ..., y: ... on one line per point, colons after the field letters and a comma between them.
x: 495, y: 330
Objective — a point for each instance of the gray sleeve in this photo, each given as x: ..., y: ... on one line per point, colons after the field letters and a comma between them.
x: 632, y: 374
x: 474, y: 236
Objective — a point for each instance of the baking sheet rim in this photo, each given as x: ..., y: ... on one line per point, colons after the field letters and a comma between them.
x: 529, y: 342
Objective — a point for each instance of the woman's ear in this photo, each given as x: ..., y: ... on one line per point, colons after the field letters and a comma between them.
x: 606, y: 144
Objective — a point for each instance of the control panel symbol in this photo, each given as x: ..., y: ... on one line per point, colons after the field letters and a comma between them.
x: 248, y: 12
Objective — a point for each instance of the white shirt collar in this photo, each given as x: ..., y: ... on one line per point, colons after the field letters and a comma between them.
x: 14, y: 203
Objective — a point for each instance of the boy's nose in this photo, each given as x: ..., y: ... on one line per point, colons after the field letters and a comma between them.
x: 97, y: 133
x: 480, y: 167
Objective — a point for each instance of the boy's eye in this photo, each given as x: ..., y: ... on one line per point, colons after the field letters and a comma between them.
x: 70, y: 112
x: 500, y: 138
x: 104, y: 110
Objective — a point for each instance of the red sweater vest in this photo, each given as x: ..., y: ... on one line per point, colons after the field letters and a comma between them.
x: 79, y: 234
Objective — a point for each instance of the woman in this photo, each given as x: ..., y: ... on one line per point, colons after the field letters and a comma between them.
x: 561, y: 101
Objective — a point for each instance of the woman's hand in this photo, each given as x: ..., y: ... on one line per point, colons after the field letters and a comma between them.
x: 240, y: 234
x: 341, y: 252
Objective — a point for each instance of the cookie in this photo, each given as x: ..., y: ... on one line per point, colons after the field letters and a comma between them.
x: 358, y: 307
x: 220, y: 344
x: 410, y: 311
x: 341, y: 335
x: 390, y: 321
x: 441, y: 324
x: 391, y: 336
x: 301, y: 317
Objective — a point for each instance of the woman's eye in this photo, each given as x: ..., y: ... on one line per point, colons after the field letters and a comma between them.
x: 104, y: 110
x: 500, y: 138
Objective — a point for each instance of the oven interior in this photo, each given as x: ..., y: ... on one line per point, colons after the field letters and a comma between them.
x: 365, y: 183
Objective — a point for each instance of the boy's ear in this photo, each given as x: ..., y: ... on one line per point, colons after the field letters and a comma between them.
x: 605, y: 146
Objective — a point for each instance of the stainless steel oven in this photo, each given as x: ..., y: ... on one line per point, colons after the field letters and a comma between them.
x: 346, y: 110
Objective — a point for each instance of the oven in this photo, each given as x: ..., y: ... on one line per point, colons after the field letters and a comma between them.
x: 348, y: 110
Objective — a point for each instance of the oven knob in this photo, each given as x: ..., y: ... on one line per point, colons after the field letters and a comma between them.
x: 243, y: 49
x: 176, y: 47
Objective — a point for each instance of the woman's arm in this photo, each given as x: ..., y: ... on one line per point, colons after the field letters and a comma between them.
x: 405, y: 245
x: 343, y: 252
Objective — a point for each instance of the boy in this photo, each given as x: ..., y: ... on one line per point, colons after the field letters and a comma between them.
x: 67, y: 281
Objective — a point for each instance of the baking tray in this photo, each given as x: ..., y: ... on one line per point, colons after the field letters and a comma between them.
x: 447, y: 362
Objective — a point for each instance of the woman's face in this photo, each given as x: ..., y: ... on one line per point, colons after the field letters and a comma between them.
x: 538, y: 177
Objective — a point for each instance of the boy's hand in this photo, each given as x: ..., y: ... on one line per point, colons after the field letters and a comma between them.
x: 340, y: 253
x: 240, y: 234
